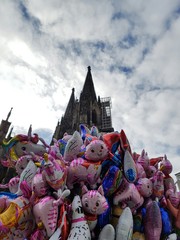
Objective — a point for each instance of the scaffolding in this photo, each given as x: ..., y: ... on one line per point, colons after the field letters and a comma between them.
x: 178, y: 179
x: 106, y: 122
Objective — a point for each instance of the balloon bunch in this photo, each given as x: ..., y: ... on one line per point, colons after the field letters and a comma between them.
x: 88, y: 185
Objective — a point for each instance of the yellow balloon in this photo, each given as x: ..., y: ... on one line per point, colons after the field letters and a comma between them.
x: 138, y: 236
x: 116, y: 213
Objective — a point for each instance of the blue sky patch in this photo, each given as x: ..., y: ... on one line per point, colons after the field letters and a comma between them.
x: 29, y: 18
x: 125, y: 69
x: 118, y: 15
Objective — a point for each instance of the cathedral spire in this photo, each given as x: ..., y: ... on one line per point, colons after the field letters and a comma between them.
x: 87, y: 110
x: 9, y: 114
x: 70, y: 106
x: 88, y: 88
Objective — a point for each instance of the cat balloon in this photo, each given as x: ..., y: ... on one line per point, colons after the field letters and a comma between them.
x: 79, y: 226
x: 94, y: 203
x: 88, y: 170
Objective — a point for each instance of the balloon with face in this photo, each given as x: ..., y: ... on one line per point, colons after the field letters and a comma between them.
x: 79, y: 226
x: 94, y: 203
x: 166, y: 166
x: 73, y: 147
x: 145, y: 187
x: 143, y: 159
x: 128, y: 196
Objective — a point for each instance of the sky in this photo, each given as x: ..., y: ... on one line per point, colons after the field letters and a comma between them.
x: 133, y: 49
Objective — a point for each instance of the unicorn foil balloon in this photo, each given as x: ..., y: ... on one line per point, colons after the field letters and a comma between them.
x: 54, y: 172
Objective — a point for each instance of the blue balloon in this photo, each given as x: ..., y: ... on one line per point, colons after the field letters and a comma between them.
x: 83, y: 131
x: 112, y: 180
x: 62, y: 145
x: 166, y: 222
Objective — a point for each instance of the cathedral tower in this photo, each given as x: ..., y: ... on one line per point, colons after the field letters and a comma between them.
x: 87, y: 110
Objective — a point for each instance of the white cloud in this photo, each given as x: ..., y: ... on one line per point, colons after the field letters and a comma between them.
x: 21, y: 50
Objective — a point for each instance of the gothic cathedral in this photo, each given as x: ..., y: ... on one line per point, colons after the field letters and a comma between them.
x: 87, y: 110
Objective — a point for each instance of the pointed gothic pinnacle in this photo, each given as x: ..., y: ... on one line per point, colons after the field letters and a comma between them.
x: 89, y: 68
x: 9, y: 114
